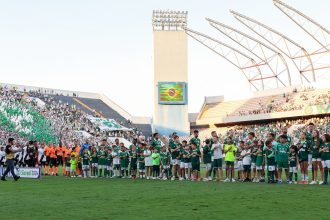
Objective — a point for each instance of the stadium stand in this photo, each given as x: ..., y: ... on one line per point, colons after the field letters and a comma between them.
x: 292, y: 103
x: 37, y: 115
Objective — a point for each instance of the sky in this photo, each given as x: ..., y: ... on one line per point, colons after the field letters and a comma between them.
x: 105, y: 46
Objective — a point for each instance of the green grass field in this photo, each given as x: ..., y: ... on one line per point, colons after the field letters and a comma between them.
x: 76, y: 198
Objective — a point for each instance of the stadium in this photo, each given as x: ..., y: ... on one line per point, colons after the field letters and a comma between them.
x: 257, y: 149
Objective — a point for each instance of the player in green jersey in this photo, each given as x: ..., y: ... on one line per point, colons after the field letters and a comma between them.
x: 288, y: 139
x: 259, y: 161
x: 182, y: 160
x: 85, y: 160
x: 109, y: 171
x: 315, y: 146
x: 165, y: 157
x: 195, y: 140
x: 282, y: 158
x: 309, y: 137
x: 254, y: 148
x: 95, y: 162
x: 293, y: 158
x: 156, y: 142
x: 195, y: 163
x: 116, y: 146
x: 123, y: 155
x: 303, y: 157
x: 239, y: 159
x: 325, y: 157
x: 207, y: 159
x: 175, y: 153
x: 102, y: 155
x: 133, y: 155
x: 269, y: 153
x: 141, y: 161
x: 187, y: 163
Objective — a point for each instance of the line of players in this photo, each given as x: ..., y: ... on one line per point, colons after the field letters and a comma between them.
x: 182, y: 161
x: 251, y: 158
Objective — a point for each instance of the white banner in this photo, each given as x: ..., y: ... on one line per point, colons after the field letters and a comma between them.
x: 39, y: 102
x: 108, y: 124
x: 83, y: 134
x: 24, y: 172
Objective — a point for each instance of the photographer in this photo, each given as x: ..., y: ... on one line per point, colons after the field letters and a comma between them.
x: 10, y: 154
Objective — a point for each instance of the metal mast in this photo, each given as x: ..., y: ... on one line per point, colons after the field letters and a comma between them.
x: 249, y: 67
x: 298, y: 54
x: 277, y: 67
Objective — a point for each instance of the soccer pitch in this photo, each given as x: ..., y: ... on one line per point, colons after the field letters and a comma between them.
x: 77, y: 198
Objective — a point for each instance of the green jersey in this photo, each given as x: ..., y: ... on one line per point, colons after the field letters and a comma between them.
x: 171, y: 142
x: 315, y: 145
x: 123, y: 156
x: 195, y: 141
x: 85, y: 159
x: 137, y: 147
x: 270, y: 156
x: 303, y: 150
x: 238, y: 154
x: 195, y: 155
x: 165, y: 158
x: 292, y: 159
x: 186, y: 155
x: 94, y: 157
x: 116, y: 148
x: 181, y: 158
x: 282, y: 152
x: 325, y: 154
x: 175, y: 150
x: 156, y: 144
x: 254, y: 154
x: 259, y: 157
x: 206, y: 154
x: 249, y: 142
x: 134, y: 156
x: 309, y: 138
x: 102, y: 155
x: 109, y: 159
x: 140, y: 155
x: 288, y: 139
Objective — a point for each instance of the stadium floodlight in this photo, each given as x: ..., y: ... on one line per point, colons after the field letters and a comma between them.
x: 298, y: 54
x: 169, y: 20
x: 249, y: 67
x: 276, y: 73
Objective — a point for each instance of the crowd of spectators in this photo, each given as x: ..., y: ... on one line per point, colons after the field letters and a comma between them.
x: 23, y: 118
x: 296, y: 100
